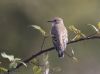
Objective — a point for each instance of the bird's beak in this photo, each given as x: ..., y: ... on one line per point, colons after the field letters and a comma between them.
x: 50, y: 21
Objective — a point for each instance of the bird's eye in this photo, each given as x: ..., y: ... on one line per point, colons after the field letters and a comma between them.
x: 55, y: 20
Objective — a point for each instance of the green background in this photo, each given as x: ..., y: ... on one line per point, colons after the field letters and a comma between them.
x: 17, y: 38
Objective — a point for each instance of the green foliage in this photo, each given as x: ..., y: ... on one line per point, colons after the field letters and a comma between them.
x: 36, y: 62
x: 43, y: 32
x: 45, y: 67
x: 13, y: 64
x: 37, y: 69
x: 46, y: 63
x: 2, y: 69
x: 98, y: 25
x: 45, y: 57
x: 13, y: 61
x: 9, y: 57
x: 41, y: 68
x: 96, y: 28
x: 78, y: 33
x: 73, y: 56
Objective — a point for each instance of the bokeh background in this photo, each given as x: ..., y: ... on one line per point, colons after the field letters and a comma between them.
x: 17, y: 38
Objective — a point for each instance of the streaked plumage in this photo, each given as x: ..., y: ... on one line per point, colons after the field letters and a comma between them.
x: 59, y: 35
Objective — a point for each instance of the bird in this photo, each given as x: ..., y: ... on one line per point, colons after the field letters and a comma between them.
x: 59, y: 35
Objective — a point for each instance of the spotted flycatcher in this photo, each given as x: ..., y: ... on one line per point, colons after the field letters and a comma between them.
x: 59, y: 35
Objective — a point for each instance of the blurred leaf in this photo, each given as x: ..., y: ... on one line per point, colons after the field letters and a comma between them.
x: 46, y: 70
x: 74, y: 29
x: 13, y: 65
x: 73, y: 56
x: 10, y: 57
x: 83, y: 35
x: 40, y: 29
x: 78, y: 33
x: 75, y: 59
x: 36, y: 62
x: 98, y: 25
x: 46, y: 64
x: 45, y: 57
x: 95, y: 28
x: 13, y: 61
x: 74, y: 38
x: 37, y: 70
x: 23, y: 63
x: 3, y: 69
x: 72, y: 51
x: 45, y: 60
x: 17, y: 59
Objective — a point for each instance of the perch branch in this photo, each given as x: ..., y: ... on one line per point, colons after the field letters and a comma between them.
x: 52, y: 48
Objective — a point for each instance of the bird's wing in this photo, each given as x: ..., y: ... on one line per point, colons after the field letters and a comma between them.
x: 64, y: 39
x: 55, y: 37
x: 57, y: 42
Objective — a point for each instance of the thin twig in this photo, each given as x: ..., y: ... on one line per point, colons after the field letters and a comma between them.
x: 43, y: 42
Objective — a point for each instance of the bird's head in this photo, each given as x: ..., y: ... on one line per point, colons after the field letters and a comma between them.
x: 56, y: 20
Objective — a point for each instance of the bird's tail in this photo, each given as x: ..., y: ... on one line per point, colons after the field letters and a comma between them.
x: 61, y: 54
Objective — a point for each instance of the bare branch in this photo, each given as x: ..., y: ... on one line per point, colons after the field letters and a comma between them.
x: 52, y: 48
